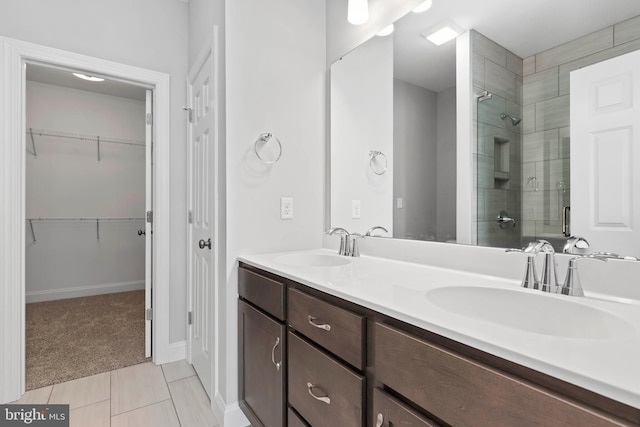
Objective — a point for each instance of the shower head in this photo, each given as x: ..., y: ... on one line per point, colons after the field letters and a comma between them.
x: 514, y: 120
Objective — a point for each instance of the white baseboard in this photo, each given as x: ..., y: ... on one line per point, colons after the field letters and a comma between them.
x: 228, y: 415
x: 176, y: 351
x: 82, y: 291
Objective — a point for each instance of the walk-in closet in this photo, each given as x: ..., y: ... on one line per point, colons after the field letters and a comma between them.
x: 86, y: 229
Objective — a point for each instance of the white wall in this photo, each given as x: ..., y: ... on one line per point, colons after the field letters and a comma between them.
x: 66, y: 180
x: 415, y: 158
x: 446, y: 160
x: 276, y: 82
x: 362, y: 121
x: 150, y: 34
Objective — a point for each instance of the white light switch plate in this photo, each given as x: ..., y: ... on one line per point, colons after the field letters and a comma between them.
x: 356, y: 209
x: 286, y: 208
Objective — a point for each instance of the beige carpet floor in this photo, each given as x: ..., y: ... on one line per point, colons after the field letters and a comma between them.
x: 74, y: 338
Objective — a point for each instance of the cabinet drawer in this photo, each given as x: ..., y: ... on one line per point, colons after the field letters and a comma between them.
x: 466, y: 393
x: 294, y: 419
x: 388, y: 411
x: 338, y: 391
x: 338, y: 330
x: 262, y: 291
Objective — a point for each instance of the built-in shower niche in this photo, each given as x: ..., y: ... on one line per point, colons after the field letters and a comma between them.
x: 501, y: 168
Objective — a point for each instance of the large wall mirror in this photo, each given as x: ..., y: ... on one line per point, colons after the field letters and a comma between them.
x: 396, y: 139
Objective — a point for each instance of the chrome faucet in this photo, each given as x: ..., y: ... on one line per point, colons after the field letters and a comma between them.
x: 344, y: 239
x: 353, y: 246
x: 374, y: 228
x: 573, y: 243
x: 572, y: 285
x: 549, y: 277
x: 530, y: 279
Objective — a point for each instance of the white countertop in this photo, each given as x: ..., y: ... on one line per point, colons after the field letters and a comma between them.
x: 610, y: 367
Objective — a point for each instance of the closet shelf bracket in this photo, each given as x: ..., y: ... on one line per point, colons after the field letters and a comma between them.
x: 33, y: 233
x: 33, y: 144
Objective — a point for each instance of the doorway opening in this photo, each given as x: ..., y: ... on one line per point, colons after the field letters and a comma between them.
x: 88, y: 188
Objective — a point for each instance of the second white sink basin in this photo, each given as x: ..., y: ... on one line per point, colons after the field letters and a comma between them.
x: 313, y: 260
x: 531, y: 311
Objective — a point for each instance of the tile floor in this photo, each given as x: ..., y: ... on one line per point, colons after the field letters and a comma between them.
x: 142, y: 395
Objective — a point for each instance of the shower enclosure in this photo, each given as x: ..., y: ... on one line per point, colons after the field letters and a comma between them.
x: 499, y: 170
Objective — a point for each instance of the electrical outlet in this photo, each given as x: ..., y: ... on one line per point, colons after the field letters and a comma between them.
x: 286, y: 208
x: 399, y: 203
x: 356, y: 209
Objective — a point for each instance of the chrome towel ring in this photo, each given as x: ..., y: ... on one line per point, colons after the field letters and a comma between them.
x: 378, y: 162
x: 268, y: 148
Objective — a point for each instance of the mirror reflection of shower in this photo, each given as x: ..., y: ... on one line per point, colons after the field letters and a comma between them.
x: 514, y: 120
x: 484, y: 96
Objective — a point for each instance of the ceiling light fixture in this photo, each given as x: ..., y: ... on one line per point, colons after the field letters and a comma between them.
x: 385, y: 31
x: 423, y: 7
x: 358, y: 11
x: 442, y: 33
x: 88, y: 78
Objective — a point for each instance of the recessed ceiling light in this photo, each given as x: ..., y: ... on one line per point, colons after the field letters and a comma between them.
x: 385, y: 31
x: 89, y: 78
x: 423, y: 7
x: 358, y: 11
x: 442, y: 33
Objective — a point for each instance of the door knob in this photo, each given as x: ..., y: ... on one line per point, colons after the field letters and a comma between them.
x: 141, y: 232
x: 202, y: 244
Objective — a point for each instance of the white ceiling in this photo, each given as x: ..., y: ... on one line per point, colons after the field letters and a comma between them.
x: 65, y: 78
x: 525, y: 27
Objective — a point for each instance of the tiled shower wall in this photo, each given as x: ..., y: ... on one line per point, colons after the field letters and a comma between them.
x: 545, y: 124
x: 497, y: 153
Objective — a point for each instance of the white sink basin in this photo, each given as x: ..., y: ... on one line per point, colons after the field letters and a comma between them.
x: 313, y: 260
x: 531, y: 311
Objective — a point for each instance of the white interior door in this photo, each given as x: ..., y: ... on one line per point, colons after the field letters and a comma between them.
x: 148, y: 247
x: 201, y: 241
x: 605, y: 146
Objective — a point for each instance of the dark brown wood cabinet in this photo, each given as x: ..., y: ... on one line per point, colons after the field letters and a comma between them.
x: 262, y: 341
x: 311, y: 359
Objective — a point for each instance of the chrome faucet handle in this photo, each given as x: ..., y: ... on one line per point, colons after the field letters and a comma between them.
x: 344, y: 239
x: 530, y: 279
x: 573, y: 243
x: 353, y: 245
x: 549, y: 277
x: 572, y: 285
x: 374, y: 228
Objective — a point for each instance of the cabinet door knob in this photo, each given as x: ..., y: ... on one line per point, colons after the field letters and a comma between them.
x: 379, y: 420
x: 204, y: 244
x: 312, y: 322
x: 324, y: 399
x: 273, y: 354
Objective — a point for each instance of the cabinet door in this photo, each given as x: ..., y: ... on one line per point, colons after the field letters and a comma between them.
x: 261, y: 367
x: 389, y: 412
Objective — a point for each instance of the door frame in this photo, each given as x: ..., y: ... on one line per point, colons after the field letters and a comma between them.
x: 15, y: 54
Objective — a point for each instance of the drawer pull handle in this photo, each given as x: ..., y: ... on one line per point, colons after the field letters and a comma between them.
x: 312, y: 322
x: 273, y: 355
x: 324, y: 399
x: 379, y: 420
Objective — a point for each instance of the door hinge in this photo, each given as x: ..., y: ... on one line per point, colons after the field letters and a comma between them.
x: 190, y: 113
x: 190, y: 217
x: 149, y: 118
x: 149, y: 217
x: 190, y: 318
x: 149, y: 314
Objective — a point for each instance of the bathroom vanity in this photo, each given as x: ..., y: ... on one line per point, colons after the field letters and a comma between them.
x: 335, y: 341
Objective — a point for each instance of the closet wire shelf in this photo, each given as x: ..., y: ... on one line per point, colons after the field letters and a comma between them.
x: 80, y: 219
x: 82, y: 137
